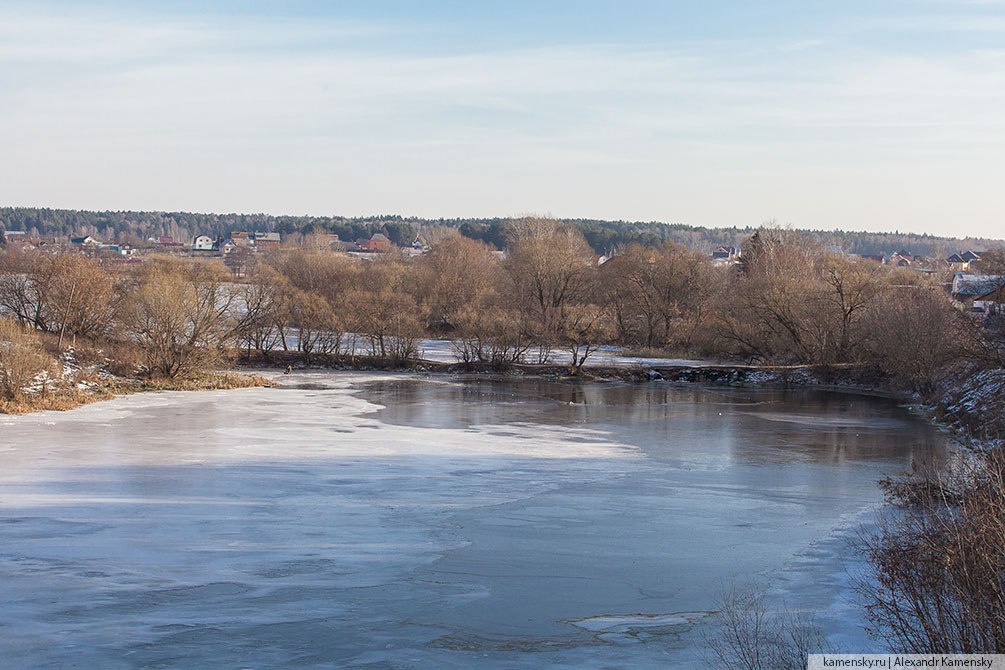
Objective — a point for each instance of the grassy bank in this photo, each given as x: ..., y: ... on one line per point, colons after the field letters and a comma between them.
x: 67, y: 397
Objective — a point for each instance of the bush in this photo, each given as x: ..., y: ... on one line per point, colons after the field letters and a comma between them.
x: 752, y: 637
x: 937, y: 583
x: 22, y: 360
x: 177, y: 313
x: 912, y: 334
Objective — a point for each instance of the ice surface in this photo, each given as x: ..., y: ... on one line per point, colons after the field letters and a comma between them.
x: 387, y: 521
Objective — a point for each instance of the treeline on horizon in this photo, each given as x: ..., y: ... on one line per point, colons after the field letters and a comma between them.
x: 604, y: 237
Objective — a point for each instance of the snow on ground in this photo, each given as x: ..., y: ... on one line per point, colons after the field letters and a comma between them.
x: 976, y: 402
x: 443, y: 351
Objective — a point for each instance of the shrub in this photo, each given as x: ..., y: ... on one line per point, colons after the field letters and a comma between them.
x: 22, y: 360
x: 937, y: 583
x: 753, y: 637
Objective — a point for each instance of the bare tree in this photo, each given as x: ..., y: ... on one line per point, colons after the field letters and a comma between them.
x: 261, y: 297
x: 850, y: 287
x: 550, y: 266
x: 179, y: 314
x: 26, y: 280
x: 65, y: 292
x: 912, y: 333
x: 320, y: 331
x: 665, y: 293
x: 385, y: 310
x: 494, y: 336
x: 775, y: 307
x: 458, y: 273
x: 583, y: 329
x: 240, y: 261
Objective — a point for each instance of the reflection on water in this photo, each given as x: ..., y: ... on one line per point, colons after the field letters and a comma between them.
x: 670, y: 422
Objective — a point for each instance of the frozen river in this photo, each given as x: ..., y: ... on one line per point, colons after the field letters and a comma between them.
x: 383, y: 522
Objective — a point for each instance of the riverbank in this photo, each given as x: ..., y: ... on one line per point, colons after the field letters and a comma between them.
x: 68, y: 393
x: 970, y: 402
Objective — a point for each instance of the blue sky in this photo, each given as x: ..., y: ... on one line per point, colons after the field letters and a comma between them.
x: 881, y: 115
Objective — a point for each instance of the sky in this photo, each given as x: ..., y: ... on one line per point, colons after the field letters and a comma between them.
x: 860, y: 115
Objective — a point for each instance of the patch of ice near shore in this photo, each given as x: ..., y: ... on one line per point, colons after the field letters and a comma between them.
x: 215, y: 427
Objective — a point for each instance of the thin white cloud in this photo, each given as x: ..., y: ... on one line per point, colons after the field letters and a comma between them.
x: 319, y: 115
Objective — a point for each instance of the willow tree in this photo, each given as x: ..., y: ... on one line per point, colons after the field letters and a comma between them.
x: 384, y: 309
x: 26, y: 280
x: 659, y: 295
x: 178, y: 312
x: 551, y: 268
x: 770, y: 312
x: 456, y: 275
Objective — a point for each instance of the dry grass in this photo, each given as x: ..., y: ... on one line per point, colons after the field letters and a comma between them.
x: 206, y: 382
x: 56, y: 401
x: 66, y: 399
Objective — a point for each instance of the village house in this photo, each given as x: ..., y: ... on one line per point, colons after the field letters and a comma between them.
x: 257, y: 241
x: 417, y: 248
x: 165, y: 241
x: 266, y: 241
x: 968, y: 288
x: 377, y: 242
x: 963, y: 261
x: 326, y: 241
x: 85, y: 242
x: 20, y: 238
x: 993, y: 301
x: 726, y: 256
x: 241, y: 239
x: 203, y: 243
x: 116, y: 249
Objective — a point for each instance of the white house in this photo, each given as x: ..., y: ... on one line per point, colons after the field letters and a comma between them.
x: 203, y: 243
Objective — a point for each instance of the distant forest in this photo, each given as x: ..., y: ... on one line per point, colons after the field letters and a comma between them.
x: 603, y: 236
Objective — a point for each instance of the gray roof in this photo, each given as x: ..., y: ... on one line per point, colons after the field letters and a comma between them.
x: 973, y: 285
